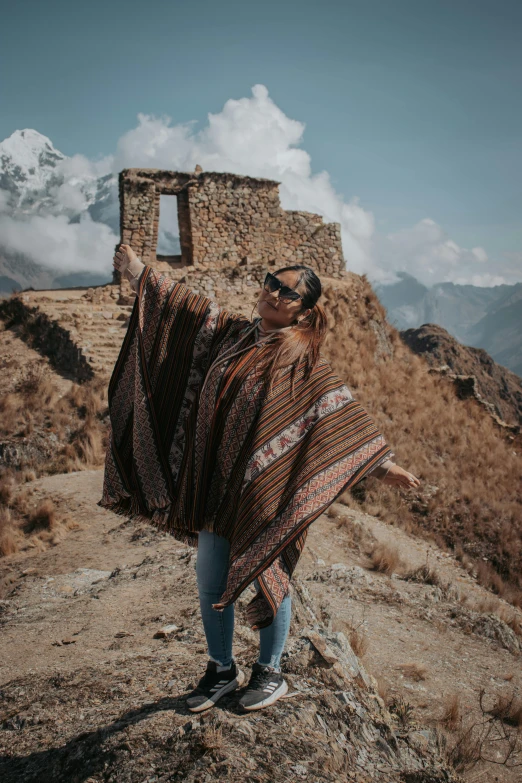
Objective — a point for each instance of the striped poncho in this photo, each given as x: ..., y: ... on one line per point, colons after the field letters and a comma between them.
x: 200, y: 441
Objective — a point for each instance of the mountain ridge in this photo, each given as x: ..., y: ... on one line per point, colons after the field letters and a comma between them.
x: 487, y: 318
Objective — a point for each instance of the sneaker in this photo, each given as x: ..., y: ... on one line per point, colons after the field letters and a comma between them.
x: 213, y: 685
x: 266, y: 686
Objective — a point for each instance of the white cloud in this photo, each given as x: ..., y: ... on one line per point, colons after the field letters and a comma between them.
x: 80, y: 176
x: 426, y: 252
x: 253, y: 136
x: 71, y: 198
x: 52, y: 241
x: 78, y: 167
x: 5, y: 198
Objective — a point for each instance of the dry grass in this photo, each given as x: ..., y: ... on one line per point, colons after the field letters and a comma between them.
x: 54, y: 432
x: 468, y: 469
x: 383, y: 688
x: 359, y: 642
x: 514, y: 622
x: 487, y: 605
x: 42, y: 518
x: 10, y: 536
x: 385, y: 559
x: 24, y: 525
x: 464, y: 751
x: 508, y: 709
x: 355, y: 533
x: 452, y: 713
x: 74, y: 425
x: 414, y: 671
x: 90, y: 399
x: 213, y: 739
x: 7, y: 488
x: 424, y: 574
x: 488, y: 734
x: 37, y: 388
x: 89, y: 443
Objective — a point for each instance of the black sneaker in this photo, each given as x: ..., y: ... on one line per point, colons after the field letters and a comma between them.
x: 266, y: 686
x: 213, y: 685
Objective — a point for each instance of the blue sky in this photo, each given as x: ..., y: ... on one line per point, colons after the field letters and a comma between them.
x: 413, y: 107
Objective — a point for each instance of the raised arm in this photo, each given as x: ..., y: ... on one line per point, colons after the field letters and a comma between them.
x: 127, y: 263
x: 160, y: 290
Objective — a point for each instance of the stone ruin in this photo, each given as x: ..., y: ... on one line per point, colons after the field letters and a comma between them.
x: 231, y: 229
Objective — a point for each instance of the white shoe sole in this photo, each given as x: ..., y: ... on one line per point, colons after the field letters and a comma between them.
x: 231, y: 686
x: 283, y: 688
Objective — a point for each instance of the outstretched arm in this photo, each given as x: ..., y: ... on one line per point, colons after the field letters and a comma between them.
x: 390, y: 473
x: 127, y: 263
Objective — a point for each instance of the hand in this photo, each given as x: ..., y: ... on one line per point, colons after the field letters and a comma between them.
x: 398, y: 477
x: 126, y: 262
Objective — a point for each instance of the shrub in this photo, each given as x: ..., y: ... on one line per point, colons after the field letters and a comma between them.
x: 9, y: 535
x: 414, y: 671
x: 385, y: 559
x: 43, y: 518
x: 452, y: 713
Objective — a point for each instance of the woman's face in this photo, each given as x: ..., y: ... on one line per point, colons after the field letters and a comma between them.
x: 276, y: 313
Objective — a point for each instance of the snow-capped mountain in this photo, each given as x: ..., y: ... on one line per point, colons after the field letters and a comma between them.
x: 28, y: 167
x: 48, y: 202
x: 35, y: 177
x: 59, y: 216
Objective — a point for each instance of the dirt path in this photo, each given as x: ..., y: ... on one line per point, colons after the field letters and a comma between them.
x: 79, y: 622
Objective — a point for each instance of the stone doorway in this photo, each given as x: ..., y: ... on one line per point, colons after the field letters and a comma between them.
x: 174, y: 246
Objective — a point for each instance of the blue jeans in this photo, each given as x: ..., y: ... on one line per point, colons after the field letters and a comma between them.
x: 211, y: 573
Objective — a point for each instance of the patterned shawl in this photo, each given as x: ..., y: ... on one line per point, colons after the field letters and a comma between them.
x: 197, y: 443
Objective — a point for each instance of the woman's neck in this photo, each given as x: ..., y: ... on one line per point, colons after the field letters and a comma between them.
x: 266, y: 327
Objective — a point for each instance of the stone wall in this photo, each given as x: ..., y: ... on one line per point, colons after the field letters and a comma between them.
x: 231, y: 228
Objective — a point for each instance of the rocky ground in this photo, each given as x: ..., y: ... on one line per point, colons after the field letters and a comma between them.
x: 101, y: 640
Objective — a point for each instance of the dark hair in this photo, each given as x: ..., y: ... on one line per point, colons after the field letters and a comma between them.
x: 303, y: 343
x: 308, y: 279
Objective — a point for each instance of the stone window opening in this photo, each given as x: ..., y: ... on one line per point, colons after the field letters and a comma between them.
x: 174, y: 246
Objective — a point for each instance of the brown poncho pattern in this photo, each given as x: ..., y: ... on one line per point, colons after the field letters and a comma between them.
x: 199, y: 439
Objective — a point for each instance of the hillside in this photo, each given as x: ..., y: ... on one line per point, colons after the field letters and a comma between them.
x: 498, y: 386
x: 468, y: 470
x: 79, y: 628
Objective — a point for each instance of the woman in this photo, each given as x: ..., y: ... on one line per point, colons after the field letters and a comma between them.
x: 234, y: 435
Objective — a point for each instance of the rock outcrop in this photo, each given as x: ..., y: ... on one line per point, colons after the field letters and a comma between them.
x: 473, y: 370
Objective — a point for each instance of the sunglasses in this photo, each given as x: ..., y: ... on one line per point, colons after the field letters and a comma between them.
x: 286, y: 294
